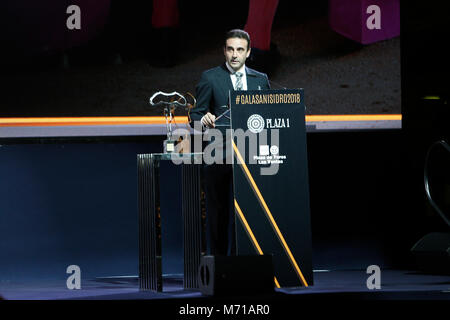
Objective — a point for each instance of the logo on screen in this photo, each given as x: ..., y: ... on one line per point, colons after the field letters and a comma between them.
x: 255, y: 123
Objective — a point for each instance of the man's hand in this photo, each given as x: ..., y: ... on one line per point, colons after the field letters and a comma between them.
x: 208, y: 120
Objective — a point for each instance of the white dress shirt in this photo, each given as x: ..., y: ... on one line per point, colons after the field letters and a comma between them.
x: 233, y: 76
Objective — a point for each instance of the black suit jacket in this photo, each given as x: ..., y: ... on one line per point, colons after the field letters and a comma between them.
x: 214, y: 86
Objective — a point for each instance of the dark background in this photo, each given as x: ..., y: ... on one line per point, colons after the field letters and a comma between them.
x: 69, y: 78
x: 74, y: 201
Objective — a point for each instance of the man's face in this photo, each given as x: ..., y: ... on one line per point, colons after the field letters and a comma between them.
x: 236, y: 51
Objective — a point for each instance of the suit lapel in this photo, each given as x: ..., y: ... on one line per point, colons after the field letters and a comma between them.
x: 226, y: 79
x: 251, y: 79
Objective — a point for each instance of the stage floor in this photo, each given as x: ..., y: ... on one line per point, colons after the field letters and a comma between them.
x: 351, y: 284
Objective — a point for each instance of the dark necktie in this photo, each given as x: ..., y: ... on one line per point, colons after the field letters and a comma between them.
x: 239, y: 85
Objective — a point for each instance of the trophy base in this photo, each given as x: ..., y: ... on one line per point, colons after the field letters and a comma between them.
x: 169, y: 146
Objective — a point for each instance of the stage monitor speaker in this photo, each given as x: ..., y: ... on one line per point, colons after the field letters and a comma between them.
x: 432, y: 253
x: 236, y: 275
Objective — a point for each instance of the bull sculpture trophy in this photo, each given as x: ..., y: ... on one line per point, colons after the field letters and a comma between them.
x: 170, y: 102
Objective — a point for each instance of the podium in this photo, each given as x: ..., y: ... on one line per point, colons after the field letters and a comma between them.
x: 271, y: 187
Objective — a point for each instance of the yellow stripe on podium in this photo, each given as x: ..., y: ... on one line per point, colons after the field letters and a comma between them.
x: 250, y: 234
x: 269, y: 216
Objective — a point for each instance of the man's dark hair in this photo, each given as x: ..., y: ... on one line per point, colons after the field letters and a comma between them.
x: 238, y: 33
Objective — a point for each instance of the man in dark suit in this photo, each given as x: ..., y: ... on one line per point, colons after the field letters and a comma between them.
x: 212, y: 94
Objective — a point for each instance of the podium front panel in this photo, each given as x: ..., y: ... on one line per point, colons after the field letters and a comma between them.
x: 271, y: 186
